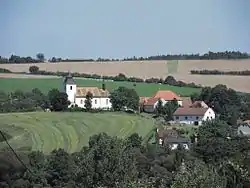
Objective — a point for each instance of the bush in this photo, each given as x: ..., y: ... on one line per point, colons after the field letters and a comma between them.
x: 2, y: 70
x: 34, y: 69
x: 218, y: 72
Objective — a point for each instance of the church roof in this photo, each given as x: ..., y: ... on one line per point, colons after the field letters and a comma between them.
x: 96, y: 92
x: 69, y: 79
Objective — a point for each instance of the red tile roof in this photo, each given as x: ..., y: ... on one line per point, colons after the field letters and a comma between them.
x: 199, y: 104
x: 151, y: 101
x: 144, y: 99
x: 186, y: 101
x: 186, y: 111
x: 167, y: 95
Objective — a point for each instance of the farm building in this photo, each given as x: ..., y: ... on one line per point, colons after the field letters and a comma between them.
x: 149, y: 104
x: 170, y: 138
x: 193, y: 115
x: 77, y: 95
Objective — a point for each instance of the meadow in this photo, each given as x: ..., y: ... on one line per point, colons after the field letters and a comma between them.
x: 45, y: 84
x: 71, y: 131
x: 158, y: 69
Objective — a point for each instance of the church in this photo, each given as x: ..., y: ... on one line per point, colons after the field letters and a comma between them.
x: 77, y: 95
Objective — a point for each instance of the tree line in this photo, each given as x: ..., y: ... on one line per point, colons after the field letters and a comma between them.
x: 207, y: 56
x: 170, y: 80
x: 228, y: 105
x: 219, y: 72
x: 214, y: 161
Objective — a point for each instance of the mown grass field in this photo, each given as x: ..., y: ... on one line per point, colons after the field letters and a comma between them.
x: 46, y: 131
x: 45, y: 84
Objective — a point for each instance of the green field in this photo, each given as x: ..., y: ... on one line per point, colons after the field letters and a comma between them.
x: 45, y: 84
x: 46, y: 131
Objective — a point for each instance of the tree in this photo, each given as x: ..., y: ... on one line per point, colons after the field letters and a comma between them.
x: 124, y: 98
x: 40, y: 57
x: 88, y: 101
x: 107, y: 162
x: 169, y: 109
x: 58, y: 100
x: 159, y: 108
x: 34, y: 69
x: 197, y: 174
x: 134, y: 140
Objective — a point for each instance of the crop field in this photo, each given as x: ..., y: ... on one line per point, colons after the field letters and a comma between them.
x: 45, y: 131
x: 45, y: 84
x: 160, y: 69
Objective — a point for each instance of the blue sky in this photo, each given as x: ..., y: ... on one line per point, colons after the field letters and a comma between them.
x: 117, y: 29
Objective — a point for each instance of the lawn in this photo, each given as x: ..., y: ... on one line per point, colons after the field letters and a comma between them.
x: 46, y: 131
x: 45, y: 84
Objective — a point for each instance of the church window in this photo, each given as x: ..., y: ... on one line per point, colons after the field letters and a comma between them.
x: 70, y: 87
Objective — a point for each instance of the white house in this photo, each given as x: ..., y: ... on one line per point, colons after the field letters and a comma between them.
x: 149, y: 104
x: 190, y: 115
x: 77, y: 95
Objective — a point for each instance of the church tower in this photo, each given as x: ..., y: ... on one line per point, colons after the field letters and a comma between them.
x: 70, y: 87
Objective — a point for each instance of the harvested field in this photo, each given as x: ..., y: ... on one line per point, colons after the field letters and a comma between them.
x: 148, y: 69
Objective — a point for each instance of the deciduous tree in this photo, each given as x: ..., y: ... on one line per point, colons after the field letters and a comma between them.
x: 124, y: 98
x: 88, y: 101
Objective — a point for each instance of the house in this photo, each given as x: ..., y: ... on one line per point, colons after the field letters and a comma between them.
x: 162, y: 134
x: 190, y: 115
x: 170, y: 138
x: 199, y: 104
x: 186, y: 101
x: 163, y: 95
x: 77, y: 95
x: 244, y: 127
x: 173, y: 142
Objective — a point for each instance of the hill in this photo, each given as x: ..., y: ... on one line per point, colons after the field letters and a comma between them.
x: 71, y: 131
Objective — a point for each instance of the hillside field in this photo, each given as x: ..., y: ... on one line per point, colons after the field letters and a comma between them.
x: 46, y: 131
x: 160, y: 69
x: 45, y: 84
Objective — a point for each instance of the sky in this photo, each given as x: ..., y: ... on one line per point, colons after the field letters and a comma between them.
x: 122, y: 28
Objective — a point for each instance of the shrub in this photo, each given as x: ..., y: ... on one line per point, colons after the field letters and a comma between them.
x: 34, y: 69
x: 218, y: 72
x: 2, y: 70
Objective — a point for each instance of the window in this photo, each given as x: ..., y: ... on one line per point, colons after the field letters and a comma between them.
x: 186, y: 118
x: 95, y: 101
x: 196, y: 123
x: 81, y: 101
x: 107, y: 101
x: 177, y: 117
x: 70, y: 87
x: 197, y: 117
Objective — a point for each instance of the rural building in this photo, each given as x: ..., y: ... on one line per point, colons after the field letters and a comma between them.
x: 244, y: 127
x: 199, y: 104
x: 186, y: 101
x: 77, y: 95
x: 191, y: 115
x: 173, y: 143
x: 170, y: 138
x: 149, y: 104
